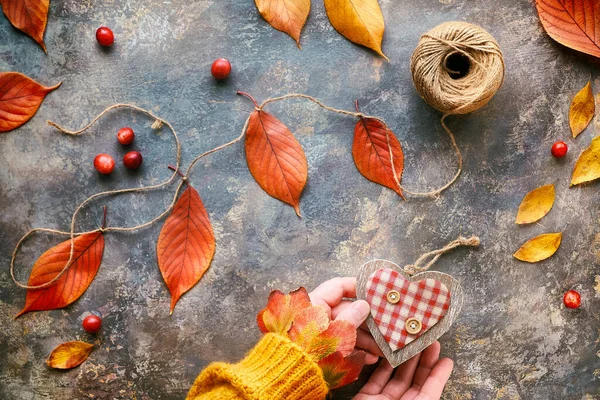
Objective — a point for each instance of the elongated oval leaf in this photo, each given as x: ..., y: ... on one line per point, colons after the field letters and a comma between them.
x: 87, y: 256
x: 359, y: 21
x: 371, y: 154
x: 276, y: 159
x: 29, y: 16
x: 536, y: 204
x: 69, y: 355
x: 186, y: 245
x: 573, y: 23
x: 587, y: 167
x: 582, y: 110
x: 539, y: 248
x: 20, y: 98
x: 288, y: 16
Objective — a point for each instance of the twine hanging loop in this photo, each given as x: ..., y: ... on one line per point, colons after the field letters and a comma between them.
x: 423, y: 265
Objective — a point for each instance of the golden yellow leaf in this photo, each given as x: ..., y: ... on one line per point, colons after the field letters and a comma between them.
x: 582, y: 110
x: 68, y: 355
x: 539, y: 248
x: 288, y: 16
x: 359, y: 21
x: 535, y: 205
x: 587, y: 167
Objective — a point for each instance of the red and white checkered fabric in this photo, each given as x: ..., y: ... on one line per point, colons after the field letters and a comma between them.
x: 426, y: 300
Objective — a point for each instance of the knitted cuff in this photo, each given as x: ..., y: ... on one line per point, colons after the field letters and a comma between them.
x: 274, y: 369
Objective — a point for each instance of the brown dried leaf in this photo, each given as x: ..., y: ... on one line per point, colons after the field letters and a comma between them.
x: 587, y: 167
x: 69, y: 355
x: 582, y: 110
x: 539, y: 248
x: 536, y: 204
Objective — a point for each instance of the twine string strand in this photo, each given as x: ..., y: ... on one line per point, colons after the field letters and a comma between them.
x: 420, y: 265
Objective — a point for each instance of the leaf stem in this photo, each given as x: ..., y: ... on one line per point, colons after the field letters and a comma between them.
x: 183, y: 177
x: 248, y: 96
x: 356, y: 105
x: 104, y: 217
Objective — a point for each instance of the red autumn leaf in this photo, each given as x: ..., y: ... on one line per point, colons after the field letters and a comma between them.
x: 186, y: 245
x: 69, y: 355
x: 308, y: 324
x: 87, y: 256
x: 275, y: 158
x: 573, y: 23
x: 29, y: 16
x: 281, y: 310
x: 339, y: 336
x: 371, y: 154
x: 20, y: 98
x: 339, y: 371
x: 288, y: 16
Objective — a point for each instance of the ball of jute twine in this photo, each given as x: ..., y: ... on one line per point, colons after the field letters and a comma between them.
x: 450, y: 91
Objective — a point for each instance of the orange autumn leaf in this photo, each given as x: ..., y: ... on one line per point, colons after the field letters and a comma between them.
x: 339, y: 336
x: 275, y: 158
x: 573, y: 23
x: 281, y: 310
x: 359, y: 21
x: 308, y: 324
x: 339, y: 371
x: 288, y: 16
x: 29, y: 16
x: 69, y: 355
x: 186, y: 245
x: 20, y: 98
x: 539, y: 248
x: 582, y: 110
x: 587, y: 167
x: 536, y: 204
x: 371, y: 154
x: 87, y: 256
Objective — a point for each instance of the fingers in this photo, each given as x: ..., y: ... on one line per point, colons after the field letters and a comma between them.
x: 365, y: 341
x: 334, y: 290
x: 371, y: 359
x: 378, y: 379
x: 356, y: 313
x: 402, y: 379
x: 429, y: 358
x: 434, y: 385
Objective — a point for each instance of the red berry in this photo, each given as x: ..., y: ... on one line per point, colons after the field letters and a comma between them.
x: 132, y: 160
x: 559, y: 149
x: 92, y: 323
x: 572, y: 299
x: 104, y: 164
x: 220, y: 68
x: 105, y: 36
x: 125, y: 136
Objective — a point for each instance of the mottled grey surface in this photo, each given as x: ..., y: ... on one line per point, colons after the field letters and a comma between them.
x: 514, y: 339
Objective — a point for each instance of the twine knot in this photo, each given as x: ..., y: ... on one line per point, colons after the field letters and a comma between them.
x: 157, y: 124
x: 258, y: 108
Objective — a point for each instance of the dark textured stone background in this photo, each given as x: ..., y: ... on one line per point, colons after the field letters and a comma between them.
x: 514, y: 339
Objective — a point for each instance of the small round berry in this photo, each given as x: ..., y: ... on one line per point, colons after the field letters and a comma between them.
x: 559, y: 149
x: 104, y: 163
x: 572, y: 299
x: 125, y: 136
x: 105, y: 36
x: 92, y: 323
x: 220, y: 69
x: 132, y: 160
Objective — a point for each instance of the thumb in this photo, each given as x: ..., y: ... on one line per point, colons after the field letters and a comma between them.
x: 356, y: 313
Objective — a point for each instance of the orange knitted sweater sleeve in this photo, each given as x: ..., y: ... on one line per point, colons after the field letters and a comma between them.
x: 274, y: 369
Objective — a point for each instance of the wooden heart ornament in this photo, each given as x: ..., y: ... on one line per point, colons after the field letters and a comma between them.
x: 408, y: 313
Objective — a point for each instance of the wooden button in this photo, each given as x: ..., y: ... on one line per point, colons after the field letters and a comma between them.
x: 393, y: 296
x: 413, y: 326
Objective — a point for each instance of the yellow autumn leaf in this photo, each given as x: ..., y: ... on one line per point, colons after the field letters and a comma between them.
x: 587, y: 167
x: 535, y: 205
x: 582, y: 110
x: 539, y: 248
x: 288, y: 16
x: 359, y: 21
x: 68, y: 355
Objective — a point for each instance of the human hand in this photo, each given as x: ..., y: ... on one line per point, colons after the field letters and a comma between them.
x: 330, y: 295
x: 423, y: 377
